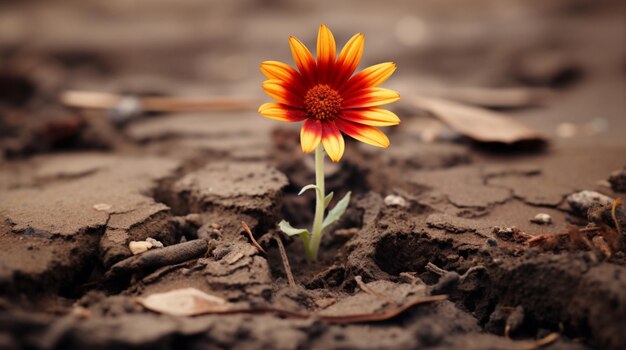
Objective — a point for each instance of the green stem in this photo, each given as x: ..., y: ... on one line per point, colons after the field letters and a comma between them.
x: 319, y: 206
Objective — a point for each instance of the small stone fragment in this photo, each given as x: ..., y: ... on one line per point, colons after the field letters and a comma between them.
x: 138, y: 247
x: 510, y: 234
x: 618, y: 180
x: 155, y: 243
x: 102, y: 207
x: 542, y: 219
x: 582, y: 201
x: 395, y: 201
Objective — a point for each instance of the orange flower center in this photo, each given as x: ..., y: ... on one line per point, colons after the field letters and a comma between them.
x: 322, y: 102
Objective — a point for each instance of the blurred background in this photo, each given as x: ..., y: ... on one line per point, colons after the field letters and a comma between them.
x: 200, y: 47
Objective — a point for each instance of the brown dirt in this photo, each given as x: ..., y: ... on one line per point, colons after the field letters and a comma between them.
x: 75, y: 189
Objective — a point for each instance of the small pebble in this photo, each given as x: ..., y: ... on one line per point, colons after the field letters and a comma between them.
x: 542, y: 219
x: 582, y: 201
x: 395, y: 201
x: 102, y: 207
x: 155, y: 243
x: 138, y: 247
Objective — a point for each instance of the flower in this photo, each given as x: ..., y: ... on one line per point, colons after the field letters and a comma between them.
x: 327, y: 97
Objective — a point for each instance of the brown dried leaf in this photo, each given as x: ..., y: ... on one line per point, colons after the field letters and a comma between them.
x: 185, y: 302
x: 477, y: 123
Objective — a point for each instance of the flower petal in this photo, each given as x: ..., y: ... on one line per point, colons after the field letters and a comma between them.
x: 333, y: 141
x: 277, y: 70
x: 370, y: 97
x: 282, y: 92
x: 281, y: 112
x: 371, y: 116
x: 326, y: 52
x: 303, y: 58
x: 310, y: 135
x: 369, y: 77
x: 349, y: 58
x: 284, y: 72
x: 364, y: 133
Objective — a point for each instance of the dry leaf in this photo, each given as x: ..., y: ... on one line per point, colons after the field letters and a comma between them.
x: 185, y: 302
x: 477, y: 123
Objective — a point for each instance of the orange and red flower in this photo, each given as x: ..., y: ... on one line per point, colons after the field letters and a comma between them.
x: 327, y: 97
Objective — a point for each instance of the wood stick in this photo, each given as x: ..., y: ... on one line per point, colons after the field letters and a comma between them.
x: 103, y: 100
x: 286, y: 266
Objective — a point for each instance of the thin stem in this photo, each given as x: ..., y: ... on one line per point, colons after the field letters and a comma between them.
x: 319, y: 206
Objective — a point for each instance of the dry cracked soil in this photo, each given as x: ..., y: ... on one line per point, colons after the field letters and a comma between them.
x: 428, y: 216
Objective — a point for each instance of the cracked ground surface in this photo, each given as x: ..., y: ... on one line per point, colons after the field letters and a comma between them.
x: 75, y: 189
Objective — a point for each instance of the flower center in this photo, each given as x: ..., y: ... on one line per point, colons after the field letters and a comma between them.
x: 322, y: 102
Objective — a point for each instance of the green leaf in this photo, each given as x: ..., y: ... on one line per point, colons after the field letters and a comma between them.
x: 309, y: 187
x: 328, y: 198
x: 290, y: 230
x: 336, y: 212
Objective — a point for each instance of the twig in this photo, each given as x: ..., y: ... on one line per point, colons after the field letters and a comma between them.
x: 283, y: 256
x: 587, y: 229
x: 102, y: 100
x: 364, y: 287
x: 254, y: 242
x: 153, y: 259
x: 435, y: 269
x: 412, y: 278
x: 440, y: 272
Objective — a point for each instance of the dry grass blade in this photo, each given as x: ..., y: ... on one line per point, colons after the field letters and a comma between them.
x: 254, y: 242
x: 477, y: 123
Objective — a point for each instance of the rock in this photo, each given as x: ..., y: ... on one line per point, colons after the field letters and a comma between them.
x: 396, y: 201
x: 618, y: 180
x: 232, y: 192
x: 139, y: 247
x: 542, y: 219
x: 59, y: 222
x: 155, y: 243
x: 582, y: 201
